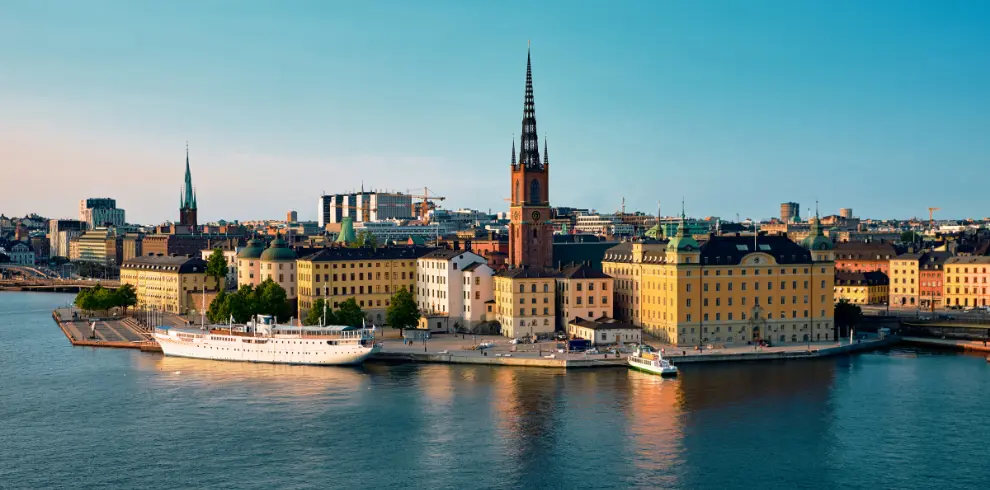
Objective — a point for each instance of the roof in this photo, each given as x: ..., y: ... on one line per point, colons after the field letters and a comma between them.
x: 874, y: 278
x: 583, y: 272
x: 180, y: 264
x: 253, y: 249
x: 472, y: 266
x: 968, y: 259
x: 730, y: 250
x: 934, y: 260
x: 278, y: 251
x: 527, y: 273
x: 653, y: 251
x: 865, y: 251
x: 447, y: 254
x: 603, y: 324
x: 337, y: 254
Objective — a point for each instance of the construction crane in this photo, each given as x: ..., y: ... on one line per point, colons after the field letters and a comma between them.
x: 424, y: 209
x: 931, y: 217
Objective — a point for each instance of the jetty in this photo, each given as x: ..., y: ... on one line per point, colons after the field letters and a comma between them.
x: 120, y: 333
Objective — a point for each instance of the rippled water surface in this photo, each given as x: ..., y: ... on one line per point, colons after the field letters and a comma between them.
x: 103, y: 418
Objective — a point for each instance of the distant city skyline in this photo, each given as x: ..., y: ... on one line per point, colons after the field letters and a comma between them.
x: 736, y: 107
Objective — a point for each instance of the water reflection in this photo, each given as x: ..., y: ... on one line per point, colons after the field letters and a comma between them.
x: 656, y: 427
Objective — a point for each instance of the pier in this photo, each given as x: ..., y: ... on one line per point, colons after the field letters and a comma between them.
x: 121, y: 333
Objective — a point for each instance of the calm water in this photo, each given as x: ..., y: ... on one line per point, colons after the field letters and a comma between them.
x: 96, y: 418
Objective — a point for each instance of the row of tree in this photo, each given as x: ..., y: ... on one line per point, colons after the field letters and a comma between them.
x: 268, y: 298
x: 99, y: 298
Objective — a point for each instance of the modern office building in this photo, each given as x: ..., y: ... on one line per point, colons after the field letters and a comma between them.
x: 364, y: 206
x: 60, y: 231
x: 100, y: 212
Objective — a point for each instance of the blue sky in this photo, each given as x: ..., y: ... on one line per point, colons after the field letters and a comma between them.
x: 883, y: 106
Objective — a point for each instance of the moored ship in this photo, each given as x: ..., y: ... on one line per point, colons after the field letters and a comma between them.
x: 651, y: 362
x: 261, y: 340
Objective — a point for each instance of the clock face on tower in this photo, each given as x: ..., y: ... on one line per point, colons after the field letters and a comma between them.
x: 536, y: 215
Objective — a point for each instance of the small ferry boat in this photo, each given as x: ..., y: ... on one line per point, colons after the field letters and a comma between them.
x: 651, y: 362
x: 261, y: 340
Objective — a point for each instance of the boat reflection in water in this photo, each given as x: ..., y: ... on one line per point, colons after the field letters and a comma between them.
x: 255, y: 379
x: 656, y: 425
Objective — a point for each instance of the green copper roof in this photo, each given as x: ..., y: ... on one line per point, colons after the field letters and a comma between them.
x: 253, y: 249
x: 278, y: 251
x: 816, y: 240
x: 683, y: 241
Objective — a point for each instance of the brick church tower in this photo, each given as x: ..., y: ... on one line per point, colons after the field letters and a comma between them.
x: 187, y: 199
x: 530, y: 231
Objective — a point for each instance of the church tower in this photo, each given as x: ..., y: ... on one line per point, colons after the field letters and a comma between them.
x: 530, y: 231
x: 187, y: 201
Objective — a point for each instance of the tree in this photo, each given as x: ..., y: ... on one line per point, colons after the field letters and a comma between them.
x: 402, y: 311
x: 847, y: 315
x: 271, y: 299
x: 216, y: 267
x: 219, y: 310
x: 125, y: 296
x: 349, y: 313
x: 909, y: 236
x: 241, y: 304
x: 317, y: 315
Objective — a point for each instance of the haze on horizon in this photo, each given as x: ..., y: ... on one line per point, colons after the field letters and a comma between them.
x: 879, y: 106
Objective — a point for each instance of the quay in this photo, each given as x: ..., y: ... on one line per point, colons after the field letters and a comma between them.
x: 953, y: 344
x: 121, y: 333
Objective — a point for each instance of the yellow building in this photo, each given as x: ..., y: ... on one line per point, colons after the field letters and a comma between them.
x: 862, y: 288
x: 728, y: 290
x: 164, y: 282
x: 905, y: 280
x: 583, y: 292
x: 524, y: 301
x: 278, y: 263
x: 249, y: 263
x: 966, y: 281
x: 369, y: 275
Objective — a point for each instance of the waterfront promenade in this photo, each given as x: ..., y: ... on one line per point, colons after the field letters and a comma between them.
x: 126, y: 332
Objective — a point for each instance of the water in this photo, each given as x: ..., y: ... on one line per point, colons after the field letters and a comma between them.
x: 99, y: 418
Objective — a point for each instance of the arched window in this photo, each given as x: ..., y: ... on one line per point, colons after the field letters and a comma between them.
x: 534, y: 192
x: 517, y: 197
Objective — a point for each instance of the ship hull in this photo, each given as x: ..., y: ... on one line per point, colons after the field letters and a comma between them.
x: 312, y: 352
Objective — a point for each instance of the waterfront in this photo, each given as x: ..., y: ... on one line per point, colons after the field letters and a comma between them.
x: 85, y: 417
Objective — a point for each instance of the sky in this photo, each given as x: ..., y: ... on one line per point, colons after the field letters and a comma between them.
x: 734, y: 106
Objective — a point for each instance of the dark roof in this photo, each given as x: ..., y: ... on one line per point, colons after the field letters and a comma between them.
x: 969, y: 259
x: 472, y: 266
x: 180, y: 263
x: 874, y: 278
x: 729, y: 250
x: 934, y: 260
x: 623, y: 251
x: 865, y: 251
x: 366, y: 253
x: 582, y: 272
x: 603, y: 324
x: 528, y: 273
x: 444, y: 254
x: 589, y: 253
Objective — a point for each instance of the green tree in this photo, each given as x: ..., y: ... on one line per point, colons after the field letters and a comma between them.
x: 317, y: 314
x: 402, y: 311
x: 349, y: 313
x: 242, y: 304
x: 847, y: 315
x: 84, y: 299
x: 219, y: 310
x: 909, y: 237
x: 271, y: 299
x: 216, y: 267
x: 125, y: 296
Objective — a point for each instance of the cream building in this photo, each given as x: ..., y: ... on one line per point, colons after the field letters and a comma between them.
x: 524, y: 301
x: 966, y: 281
x: 440, y: 281
x: 605, y: 332
x: 583, y: 292
x: 278, y: 263
x: 164, y: 282
x: 249, y: 263
x: 479, y: 293
x: 905, y: 280
x: 862, y: 288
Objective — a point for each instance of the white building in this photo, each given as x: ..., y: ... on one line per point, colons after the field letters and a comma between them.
x: 60, y: 231
x: 478, y: 294
x: 602, y: 225
x: 364, y: 206
x: 20, y: 253
x: 440, y: 282
x: 396, y: 230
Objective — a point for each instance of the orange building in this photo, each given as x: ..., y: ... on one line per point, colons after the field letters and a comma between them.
x: 864, y: 256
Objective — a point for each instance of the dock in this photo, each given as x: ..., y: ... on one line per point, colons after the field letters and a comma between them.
x: 963, y: 345
x: 120, y: 333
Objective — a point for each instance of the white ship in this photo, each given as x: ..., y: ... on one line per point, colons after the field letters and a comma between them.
x: 262, y: 340
x: 651, y: 362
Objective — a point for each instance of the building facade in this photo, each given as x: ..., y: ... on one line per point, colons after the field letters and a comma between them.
x: 249, y: 263
x: 790, y: 211
x: 604, y: 332
x: 60, y: 231
x: 440, y: 281
x: 364, y: 206
x: 278, y: 263
x: 164, y: 282
x: 525, y: 303
x: 729, y: 290
x: 862, y: 288
x: 530, y: 231
x: 369, y: 275
x: 932, y: 279
x: 905, y: 281
x: 100, y: 212
x: 20, y: 253
x: 864, y: 256
x: 583, y: 292
x: 966, y: 281
x: 479, y: 294
x: 230, y: 256
x: 99, y: 246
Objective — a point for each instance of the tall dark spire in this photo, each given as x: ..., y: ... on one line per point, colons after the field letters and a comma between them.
x: 529, y: 149
x: 513, y: 150
x: 189, y: 201
x: 546, y: 153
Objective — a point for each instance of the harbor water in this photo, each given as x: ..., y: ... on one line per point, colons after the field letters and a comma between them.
x: 112, y: 418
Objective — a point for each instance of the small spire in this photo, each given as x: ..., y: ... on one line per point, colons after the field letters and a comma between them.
x: 513, y: 149
x: 682, y: 208
x: 546, y: 154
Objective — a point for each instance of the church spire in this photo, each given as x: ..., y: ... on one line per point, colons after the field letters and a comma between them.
x: 546, y: 153
x: 513, y: 151
x: 529, y: 149
x: 189, y: 201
